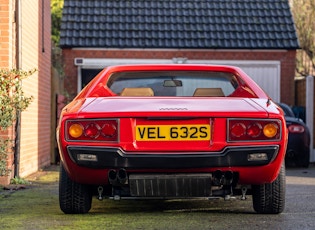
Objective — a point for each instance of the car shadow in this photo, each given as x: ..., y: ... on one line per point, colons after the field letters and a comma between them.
x: 234, y: 205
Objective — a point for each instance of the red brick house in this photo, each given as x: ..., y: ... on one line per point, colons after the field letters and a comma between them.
x: 25, y: 44
x: 257, y: 35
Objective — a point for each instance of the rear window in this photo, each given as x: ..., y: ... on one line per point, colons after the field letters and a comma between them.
x: 173, y: 83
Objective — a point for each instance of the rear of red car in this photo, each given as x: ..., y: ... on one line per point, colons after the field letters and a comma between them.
x: 171, y: 146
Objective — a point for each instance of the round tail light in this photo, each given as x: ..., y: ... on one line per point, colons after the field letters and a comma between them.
x: 109, y: 130
x: 254, y: 130
x: 270, y: 130
x: 238, y: 130
x: 92, y: 130
x: 75, y: 130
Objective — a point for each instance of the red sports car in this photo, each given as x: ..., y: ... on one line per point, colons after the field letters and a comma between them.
x: 172, y: 131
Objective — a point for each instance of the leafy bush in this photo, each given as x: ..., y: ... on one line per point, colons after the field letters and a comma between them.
x: 3, y: 156
x: 19, y: 180
x: 12, y: 100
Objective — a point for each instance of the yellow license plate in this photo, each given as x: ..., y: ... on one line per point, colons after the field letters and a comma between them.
x: 196, y: 132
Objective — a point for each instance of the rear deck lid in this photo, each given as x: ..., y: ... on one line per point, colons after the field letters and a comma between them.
x: 155, y: 107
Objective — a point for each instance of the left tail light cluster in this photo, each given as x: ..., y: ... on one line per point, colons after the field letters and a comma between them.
x: 91, y: 130
x: 254, y: 130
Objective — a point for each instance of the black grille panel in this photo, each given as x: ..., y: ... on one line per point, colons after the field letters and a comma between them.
x: 170, y: 185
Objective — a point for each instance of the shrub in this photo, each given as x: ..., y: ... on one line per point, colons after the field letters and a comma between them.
x: 12, y: 101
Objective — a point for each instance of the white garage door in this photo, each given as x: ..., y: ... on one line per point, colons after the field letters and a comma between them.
x: 264, y: 73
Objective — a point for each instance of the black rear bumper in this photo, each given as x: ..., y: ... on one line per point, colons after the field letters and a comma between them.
x: 117, y: 158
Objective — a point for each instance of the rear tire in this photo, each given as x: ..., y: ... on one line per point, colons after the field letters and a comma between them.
x: 74, y: 198
x: 270, y: 198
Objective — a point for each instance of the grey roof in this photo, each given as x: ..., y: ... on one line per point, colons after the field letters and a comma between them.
x: 179, y: 24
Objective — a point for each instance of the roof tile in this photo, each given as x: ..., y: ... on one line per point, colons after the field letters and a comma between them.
x: 224, y: 24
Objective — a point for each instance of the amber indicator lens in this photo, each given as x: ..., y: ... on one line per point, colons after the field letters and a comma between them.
x: 270, y: 130
x: 75, y: 130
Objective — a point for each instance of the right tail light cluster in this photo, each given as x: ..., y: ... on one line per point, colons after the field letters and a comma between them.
x: 254, y: 129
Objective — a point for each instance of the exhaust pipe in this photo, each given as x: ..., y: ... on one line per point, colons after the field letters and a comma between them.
x: 222, y: 178
x: 112, y: 176
x: 122, y: 176
x: 117, y: 177
x: 218, y: 175
x: 228, y: 177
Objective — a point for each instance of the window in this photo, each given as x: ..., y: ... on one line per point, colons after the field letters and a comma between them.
x: 175, y: 83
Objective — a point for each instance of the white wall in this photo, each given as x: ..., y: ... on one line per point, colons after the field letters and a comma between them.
x: 310, y: 112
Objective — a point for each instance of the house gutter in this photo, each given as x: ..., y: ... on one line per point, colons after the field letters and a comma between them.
x: 18, y: 58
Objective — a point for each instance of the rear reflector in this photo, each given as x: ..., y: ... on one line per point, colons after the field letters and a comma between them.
x: 87, y: 157
x: 257, y: 157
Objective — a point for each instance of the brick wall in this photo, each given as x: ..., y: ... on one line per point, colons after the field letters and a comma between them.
x: 35, y: 53
x: 286, y: 58
x: 300, y: 89
x: 5, y: 34
x: 35, y: 121
x: 6, y: 61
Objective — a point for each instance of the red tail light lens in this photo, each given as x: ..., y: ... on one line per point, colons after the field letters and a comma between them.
x: 253, y: 130
x: 109, y: 130
x: 238, y: 130
x: 296, y: 129
x: 91, y: 130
